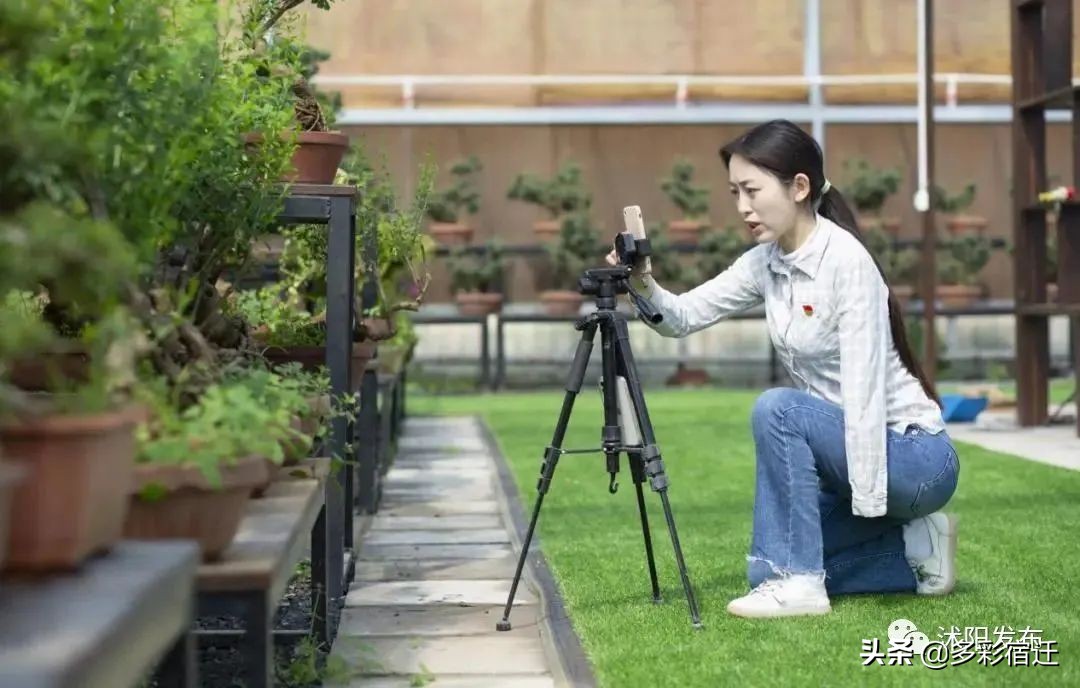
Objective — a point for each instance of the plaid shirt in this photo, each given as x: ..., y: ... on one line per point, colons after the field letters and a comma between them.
x: 826, y: 309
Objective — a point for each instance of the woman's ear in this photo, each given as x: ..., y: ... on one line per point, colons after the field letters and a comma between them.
x: 800, y: 186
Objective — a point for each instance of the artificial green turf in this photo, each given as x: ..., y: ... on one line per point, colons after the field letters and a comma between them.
x: 1017, y: 563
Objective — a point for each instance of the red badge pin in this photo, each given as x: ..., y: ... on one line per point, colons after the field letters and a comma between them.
x: 808, y: 309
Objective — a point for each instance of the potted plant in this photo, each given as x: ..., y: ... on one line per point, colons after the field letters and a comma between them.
x: 868, y: 188
x: 476, y: 279
x: 959, y: 263
x: 446, y: 207
x: 270, y: 29
x: 395, y: 353
x: 900, y: 264
x: 718, y: 250
x: 199, y: 465
x: 75, y: 446
x: 952, y: 206
x: 575, y: 250
x: 692, y: 201
x: 563, y: 194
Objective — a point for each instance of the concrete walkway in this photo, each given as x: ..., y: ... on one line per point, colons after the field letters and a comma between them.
x: 433, y: 573
x: 995, y: 430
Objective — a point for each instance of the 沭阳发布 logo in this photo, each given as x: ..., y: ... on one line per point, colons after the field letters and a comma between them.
x: 985, y: 645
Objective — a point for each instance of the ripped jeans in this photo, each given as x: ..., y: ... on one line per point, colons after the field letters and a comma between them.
x: 802, y: 507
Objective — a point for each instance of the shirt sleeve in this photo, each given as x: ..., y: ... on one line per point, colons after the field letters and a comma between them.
x: 864, y: 341
x: 730, y: 292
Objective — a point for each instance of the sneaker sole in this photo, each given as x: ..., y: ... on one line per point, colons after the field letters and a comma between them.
x: 950, y: 579
x: 780, y: 612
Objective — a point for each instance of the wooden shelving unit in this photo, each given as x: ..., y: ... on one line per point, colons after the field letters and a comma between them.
x: 1042, y: 53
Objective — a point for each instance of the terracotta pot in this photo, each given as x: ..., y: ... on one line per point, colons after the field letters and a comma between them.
x: 547, y: 230
x: 73, y: 501
x: 478, y: 302
x: 891, y: 225
x: 868, y: 222
x: 562, y: 302
x: 317, y: 157
x: 311, y: 357
x: 450, y: 233
x: 966, y: 224
x: 191, y: 508
x: 958, y: 295
x: 903, y: 294
x: 10, y: 476
x: 688, y: 377
x: 43, y: 372
x: 685, y: 231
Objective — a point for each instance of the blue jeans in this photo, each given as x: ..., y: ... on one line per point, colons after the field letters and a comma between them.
x: 802, y: 508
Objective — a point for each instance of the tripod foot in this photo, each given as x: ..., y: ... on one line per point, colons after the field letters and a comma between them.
x: 698, y: 626
x: 658, y: 600
x: 503, y: 625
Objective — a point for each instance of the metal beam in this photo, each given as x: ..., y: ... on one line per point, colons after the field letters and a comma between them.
x: 812, y: 68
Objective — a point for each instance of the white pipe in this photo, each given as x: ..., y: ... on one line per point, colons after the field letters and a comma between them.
x: 922, y: 194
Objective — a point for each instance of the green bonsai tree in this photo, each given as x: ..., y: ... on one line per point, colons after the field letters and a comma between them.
x: 900, y: 264
x: 563, y: 194
x: 718, y: 249
x: 868, y: 187
x: 475, y: 271
x: 961, y: 259
x: 577, y: 248
x: 951, y: 204
x: 692, y: 201
x: 447, y: 205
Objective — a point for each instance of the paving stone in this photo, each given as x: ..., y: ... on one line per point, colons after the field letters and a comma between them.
x: 462, y: 522
x: 475, y: 536
x: 437, y: 592
x: 452, y: 681
x: 440, y: 508
x: 436, y: 569
x: 394, y: 494
x: 483, y: 655
x: 441, y: 471
x: 430, y: 620
x: 426, y: 552
x: 429, y: 462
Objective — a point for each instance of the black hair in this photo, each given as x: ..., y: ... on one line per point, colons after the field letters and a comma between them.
x: 783, y: 149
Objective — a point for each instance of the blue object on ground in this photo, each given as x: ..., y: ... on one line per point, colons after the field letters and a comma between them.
x: 957, y: 408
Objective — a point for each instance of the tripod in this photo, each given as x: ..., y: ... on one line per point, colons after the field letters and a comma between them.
x: 619, y: 374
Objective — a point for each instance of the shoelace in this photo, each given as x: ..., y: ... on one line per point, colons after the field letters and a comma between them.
x: 767, y: 587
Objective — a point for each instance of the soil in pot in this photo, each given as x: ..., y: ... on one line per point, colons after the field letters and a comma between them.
x: 558, y: 302
x: 478, y: 302
x: 188, y: 507
x: 74, y: 497
x: 451, y: 233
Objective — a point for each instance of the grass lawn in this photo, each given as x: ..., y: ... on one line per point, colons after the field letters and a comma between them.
x: 1016, y: 564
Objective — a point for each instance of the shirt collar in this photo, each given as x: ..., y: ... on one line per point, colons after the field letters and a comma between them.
x: 809, y: 255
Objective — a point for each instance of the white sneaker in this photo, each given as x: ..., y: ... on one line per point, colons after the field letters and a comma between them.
x: 930, y: 543
x: 796, y: 595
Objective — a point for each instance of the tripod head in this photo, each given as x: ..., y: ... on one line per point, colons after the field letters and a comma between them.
x: 605, y: 284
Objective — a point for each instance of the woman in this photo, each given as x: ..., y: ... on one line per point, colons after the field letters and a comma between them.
x: 853, y: 463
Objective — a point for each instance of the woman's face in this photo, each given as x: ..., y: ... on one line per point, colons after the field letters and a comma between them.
x: 767, y: 206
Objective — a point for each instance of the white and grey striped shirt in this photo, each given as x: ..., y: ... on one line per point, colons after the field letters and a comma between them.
x: 827, y: 314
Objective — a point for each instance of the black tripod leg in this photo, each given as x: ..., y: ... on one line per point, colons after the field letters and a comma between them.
x: 637, y: 470
x: 650, y: 454
x: 551, y: 456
